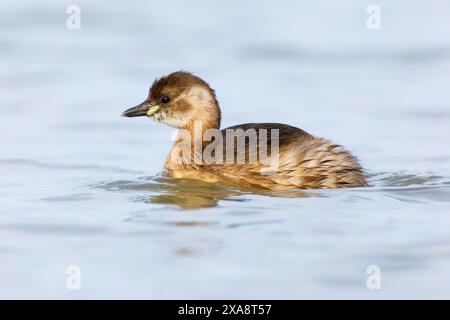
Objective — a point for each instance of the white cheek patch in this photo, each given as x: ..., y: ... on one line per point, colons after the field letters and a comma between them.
x: 198, y: 95
x: 172, y: 120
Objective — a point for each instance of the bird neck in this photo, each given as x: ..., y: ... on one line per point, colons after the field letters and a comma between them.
x: 190, y: 141
x: 203, y: 119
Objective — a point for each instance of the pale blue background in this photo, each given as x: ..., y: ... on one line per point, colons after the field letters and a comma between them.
x: 67, y: 158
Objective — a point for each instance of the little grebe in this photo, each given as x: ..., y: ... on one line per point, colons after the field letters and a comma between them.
x: 186, y: 102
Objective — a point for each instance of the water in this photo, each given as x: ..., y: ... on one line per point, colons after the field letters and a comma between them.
x: 80, y: 186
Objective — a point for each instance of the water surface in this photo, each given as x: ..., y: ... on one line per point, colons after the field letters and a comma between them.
x: 81, y: 186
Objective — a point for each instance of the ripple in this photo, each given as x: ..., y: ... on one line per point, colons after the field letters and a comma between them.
x: 402, y: 179
x: 182, y: 193
x: 52, y: 166
x: 60, y: 229
x: 409, y: 187
x: 69, y: 198
x: 252, y: 223
x: 195, y: 194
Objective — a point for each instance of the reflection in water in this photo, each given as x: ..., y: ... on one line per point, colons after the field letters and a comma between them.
x: 183, y: 193
x: 195, y: 194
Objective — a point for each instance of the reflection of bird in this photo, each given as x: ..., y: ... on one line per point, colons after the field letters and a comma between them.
x: 186, y: 102
x: 195, y: 194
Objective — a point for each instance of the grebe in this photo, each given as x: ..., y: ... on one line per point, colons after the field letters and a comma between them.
x: 184, y: 101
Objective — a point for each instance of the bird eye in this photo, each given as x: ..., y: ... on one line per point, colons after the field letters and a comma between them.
x: 165, y: 99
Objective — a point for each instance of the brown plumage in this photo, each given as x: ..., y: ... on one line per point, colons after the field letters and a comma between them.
x: 186, y: 102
